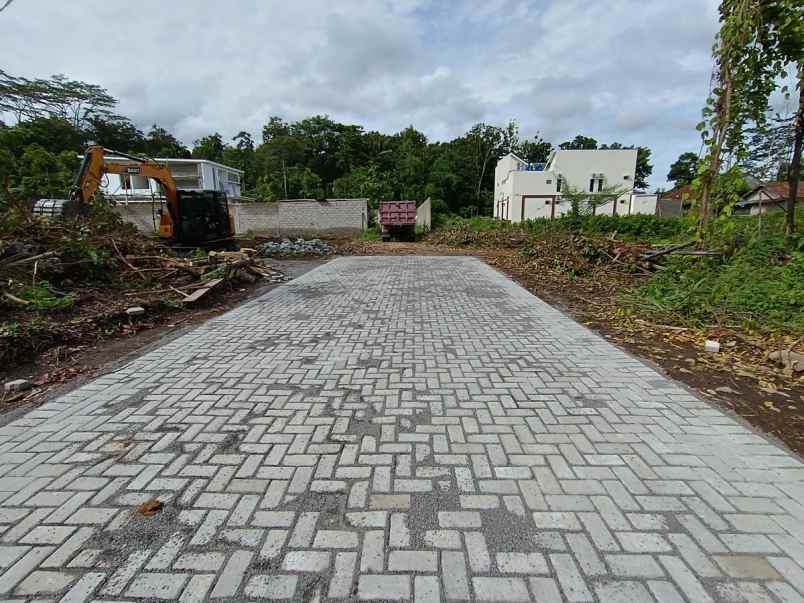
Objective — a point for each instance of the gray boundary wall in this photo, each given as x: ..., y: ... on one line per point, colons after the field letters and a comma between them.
x: 282, y: 218
x: 424, y: 216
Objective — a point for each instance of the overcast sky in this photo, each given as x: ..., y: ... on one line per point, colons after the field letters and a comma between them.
x: 633, y: 71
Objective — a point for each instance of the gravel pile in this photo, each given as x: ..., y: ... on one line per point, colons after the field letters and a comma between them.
x: 297, y: 247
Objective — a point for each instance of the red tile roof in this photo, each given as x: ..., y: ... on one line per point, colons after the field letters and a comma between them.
x: 781, y: 190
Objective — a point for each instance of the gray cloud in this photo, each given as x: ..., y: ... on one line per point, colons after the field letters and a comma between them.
x: 635, y: 71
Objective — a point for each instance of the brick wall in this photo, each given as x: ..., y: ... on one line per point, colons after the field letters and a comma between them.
x: 306, y: 217
x: 333, y: 216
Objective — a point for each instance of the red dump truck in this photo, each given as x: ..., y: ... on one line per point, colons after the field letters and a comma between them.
x: 398, y: 220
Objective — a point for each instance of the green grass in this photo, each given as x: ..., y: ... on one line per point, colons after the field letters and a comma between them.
x: 42, y: 298
x: 653, y: 229
x: 758, y: 284
x: 372, y: 233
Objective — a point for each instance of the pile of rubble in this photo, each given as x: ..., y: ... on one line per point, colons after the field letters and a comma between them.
x: 297, y: 247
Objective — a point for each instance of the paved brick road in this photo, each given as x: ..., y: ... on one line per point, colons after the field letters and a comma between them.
x: 394, y: 428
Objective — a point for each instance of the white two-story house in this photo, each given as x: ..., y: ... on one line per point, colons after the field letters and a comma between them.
x: 189, y: 174
x: 526, y: 191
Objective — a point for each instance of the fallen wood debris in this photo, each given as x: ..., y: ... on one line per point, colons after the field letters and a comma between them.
x: 67, y: 282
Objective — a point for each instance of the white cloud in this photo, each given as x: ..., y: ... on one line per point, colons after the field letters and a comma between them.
x: 635, y: 71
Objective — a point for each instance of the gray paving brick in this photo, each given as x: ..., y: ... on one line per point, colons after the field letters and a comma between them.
x: 157, y: 586
x: 373, y: 420
x: 386, y: 587
x: 271, y: 587
x: 500, y: 589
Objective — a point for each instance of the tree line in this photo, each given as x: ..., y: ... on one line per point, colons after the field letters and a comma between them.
x: 316, y: 157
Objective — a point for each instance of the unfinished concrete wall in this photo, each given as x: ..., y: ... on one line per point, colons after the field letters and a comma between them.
x: 333, y: 216
x: 256, y: 218
x: 424, y: 215
x: 141, y: 214
x: 305, y: 217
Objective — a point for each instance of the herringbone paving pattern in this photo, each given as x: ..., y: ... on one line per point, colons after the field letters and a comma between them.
x: 395, y: 428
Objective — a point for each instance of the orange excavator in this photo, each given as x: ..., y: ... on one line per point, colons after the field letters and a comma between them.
x: 193, y: 218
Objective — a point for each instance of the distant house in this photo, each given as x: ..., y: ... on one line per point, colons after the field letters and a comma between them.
x: 770, y: 196
x: 189, y: 174
x: 675, y: 202
x: 525, y: 191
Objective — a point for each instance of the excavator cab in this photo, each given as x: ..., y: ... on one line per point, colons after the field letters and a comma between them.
x: 203, y: 218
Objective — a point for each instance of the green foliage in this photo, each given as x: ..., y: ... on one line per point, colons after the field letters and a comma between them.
x: 580, y: 142
x: 638, y: 227
x: 684, y: 169
x: 45, y: 174
x: 302, y: 183
x: 41, y: 298
x: 374, y: 233
x: 209, y: 147
x: 365, y: 181
x: 57, y: 96
x: 758, y: 284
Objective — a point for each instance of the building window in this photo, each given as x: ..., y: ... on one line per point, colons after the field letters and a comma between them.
x: 591, y: 185
x: 559, y: 182
x: 547, y: 201
x: 626, y: 177
x: 599, y: 184
x: 548, y: 182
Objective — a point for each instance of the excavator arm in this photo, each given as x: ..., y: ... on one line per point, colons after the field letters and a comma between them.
x: 95, y: 165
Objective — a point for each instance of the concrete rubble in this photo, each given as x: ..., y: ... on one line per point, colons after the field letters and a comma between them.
x: 297, y: 247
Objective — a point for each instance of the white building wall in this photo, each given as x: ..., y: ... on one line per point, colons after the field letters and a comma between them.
x: 524, y: 194
x: 644, y: 203
x: 214, y: 176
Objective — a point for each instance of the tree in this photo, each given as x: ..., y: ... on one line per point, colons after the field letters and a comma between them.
x: 209, y: 147
x: 583, y: 202
x: 643, y: 167
x: 580, y: 142
x: 537, y: 150
x: 757, y: 40
x: 241, y: 156
x: 769, y: 148
x: 115, y: 132
x: 53, y: 134
x: 300, y: 183
x: 45, y: 174
x: 161, y: 143
x: 366, y: 181
x: 57, y: 96
x: 683, y: 171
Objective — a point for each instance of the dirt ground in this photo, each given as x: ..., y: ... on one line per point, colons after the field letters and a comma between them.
x: 738, y: 378
x: 64, y: 367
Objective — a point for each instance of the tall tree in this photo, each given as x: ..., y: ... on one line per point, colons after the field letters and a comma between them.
x: 209, y: 147
x: 537, y: 150
x: 683, y: 170
x: 161, y: 143
x: 241, y: 156
x: 57, y: 96
x: 757, y: 40
x: 580, y: 142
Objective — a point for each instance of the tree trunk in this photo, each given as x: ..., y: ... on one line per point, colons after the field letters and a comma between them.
x: 795, y: 167
x: 721, y: 126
